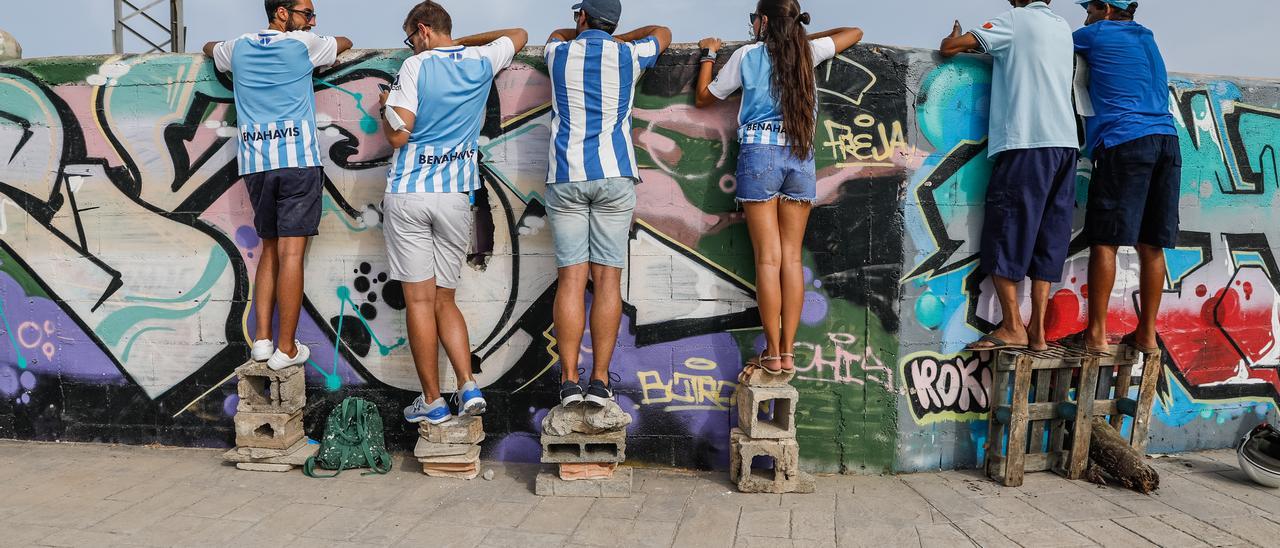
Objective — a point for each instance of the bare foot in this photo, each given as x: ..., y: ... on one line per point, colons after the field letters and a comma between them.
x: 1009, y: 336
x: 1036, y: 341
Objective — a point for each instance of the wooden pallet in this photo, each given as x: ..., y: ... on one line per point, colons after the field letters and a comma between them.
x: 1031, y: 396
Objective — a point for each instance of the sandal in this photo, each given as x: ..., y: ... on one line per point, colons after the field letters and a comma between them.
x: 792, y: 369
x: 995, y: 342
x: 758, y: 363
x: 1132, y: 341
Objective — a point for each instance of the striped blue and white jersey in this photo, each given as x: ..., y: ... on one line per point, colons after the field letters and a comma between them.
x: 275, y: 100
x: 447, y: 90
x: 749, y: 68
x: 593, y: 79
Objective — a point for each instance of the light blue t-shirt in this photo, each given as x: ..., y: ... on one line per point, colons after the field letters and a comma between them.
x: 275, y: 100
x: 749, y: 68
x: 1032, y: 81
x: 447, y: 90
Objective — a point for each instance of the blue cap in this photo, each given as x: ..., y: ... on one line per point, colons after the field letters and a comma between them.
x: 608, y: 10
x: 1118, y: 4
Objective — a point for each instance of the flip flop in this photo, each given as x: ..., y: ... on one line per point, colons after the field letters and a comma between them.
x: 1132, y: 341
x: 995, y: 342
x: 1075, y: 341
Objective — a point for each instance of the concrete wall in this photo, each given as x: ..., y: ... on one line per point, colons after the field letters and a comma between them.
x: 126, y: 254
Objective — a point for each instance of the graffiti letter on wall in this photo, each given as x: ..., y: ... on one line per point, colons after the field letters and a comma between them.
x: 947, y: 387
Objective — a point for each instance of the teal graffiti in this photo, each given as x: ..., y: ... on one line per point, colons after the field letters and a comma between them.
x: 112, y: 329
x: 129, y: 347
x: 368, y: 123
x: 344, y: 295
x: 332, y: 382
x: 213, y: 270
x: 13, y: 343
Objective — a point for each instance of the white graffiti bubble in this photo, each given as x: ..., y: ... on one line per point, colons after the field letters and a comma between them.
x: 28, y: 380
x: 332, y: 132
x: 323, y: 120
x: 213, y: 124
x: 96, y: 80
x: 226, y: 132
x: 114, y: 70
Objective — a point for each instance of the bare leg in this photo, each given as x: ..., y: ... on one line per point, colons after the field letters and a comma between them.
x: 762, y: 224
x: 606, y: 317
x: 1151, y: 290
x: 1039, y: 303
x: 569, y: 316
x: 1102, y: 280
x: 289, y: 288
x: 423, y: 337
x: 264, y: 290
x: 1011, y: 328
x: 793, y: 218
x: 452, y: 328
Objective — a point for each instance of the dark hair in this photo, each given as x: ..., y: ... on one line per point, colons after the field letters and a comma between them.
x: 1124, y: 14
x: 429, y: 14
x: 793, y: 82
x: 273, y: 5
x: 600, y: 24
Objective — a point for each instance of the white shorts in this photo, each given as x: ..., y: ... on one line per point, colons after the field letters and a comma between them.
x: 428, y: 235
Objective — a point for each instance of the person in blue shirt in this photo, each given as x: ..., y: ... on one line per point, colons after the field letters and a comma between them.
x: 1032, y: 137
x: 280, y: 160
x: 1137, y: 164
x: 776, y: 174
x: 591, y: 178
x: 438, y: 99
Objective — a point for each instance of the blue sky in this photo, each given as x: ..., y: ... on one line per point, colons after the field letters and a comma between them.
x: 1195, y: 35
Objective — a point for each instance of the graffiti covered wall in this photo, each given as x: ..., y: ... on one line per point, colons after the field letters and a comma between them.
x: 127, y: 252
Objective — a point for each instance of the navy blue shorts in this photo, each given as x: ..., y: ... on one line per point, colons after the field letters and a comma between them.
x: 1030, y: 203
x: 286, y: 202
x: 1133, y: 197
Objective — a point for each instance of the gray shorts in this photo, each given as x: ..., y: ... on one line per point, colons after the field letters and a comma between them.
x: 427, y: 235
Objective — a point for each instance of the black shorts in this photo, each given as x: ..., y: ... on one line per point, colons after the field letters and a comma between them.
x: 1133, y: 197
x: 1030, y: 205
x: 286, y: 202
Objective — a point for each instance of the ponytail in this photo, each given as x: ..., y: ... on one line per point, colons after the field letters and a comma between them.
x: 794, y: 86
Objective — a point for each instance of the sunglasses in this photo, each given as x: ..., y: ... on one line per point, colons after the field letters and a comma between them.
x: 309, y: 14
x: 755, y: 17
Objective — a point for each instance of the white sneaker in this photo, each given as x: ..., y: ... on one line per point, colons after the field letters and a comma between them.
x: 262, y: 350
x: 280, y: 361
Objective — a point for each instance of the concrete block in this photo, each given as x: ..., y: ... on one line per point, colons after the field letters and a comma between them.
x: 585, y: 448
x: 268, y: 430
x: 549, y: 484
x: 587, y: 470
x: 263, y: 390
x: 785, y: 475
x: 459, y: 430
x: 464, y: 471
x: 767, y: 412
x: 295, y: 455
x: 264, y: 467
x: 425, y: 448
x: 471, y: 456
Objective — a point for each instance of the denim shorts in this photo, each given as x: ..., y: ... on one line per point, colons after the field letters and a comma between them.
x: 767, y: 171
x: 591, y: 220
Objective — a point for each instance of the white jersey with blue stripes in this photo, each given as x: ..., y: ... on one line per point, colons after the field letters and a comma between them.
x: 593, y: 79
x: 447, y: 89
x: 749, y: 68
x: 275, y: 100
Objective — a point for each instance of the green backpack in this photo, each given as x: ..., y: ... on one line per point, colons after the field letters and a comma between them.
x: 352, y: 439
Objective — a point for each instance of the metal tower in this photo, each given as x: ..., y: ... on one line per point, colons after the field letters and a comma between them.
x: 145, y: 23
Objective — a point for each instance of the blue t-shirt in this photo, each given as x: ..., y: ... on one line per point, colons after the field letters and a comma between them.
x: 275, y: 100
x: 749, y: 68
x: 1128, y: 83
x: 447, y: 90
x: 1031, y: 82
x: 594, y: 79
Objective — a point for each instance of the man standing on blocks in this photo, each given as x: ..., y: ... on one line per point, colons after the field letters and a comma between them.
x: 1032, y: 138
x: 280, y: 160
x: 1137, y: 174
x: 591, y: 181
x: 434, y: 113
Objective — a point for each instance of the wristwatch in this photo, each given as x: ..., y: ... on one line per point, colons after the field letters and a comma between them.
x: 708, y: 55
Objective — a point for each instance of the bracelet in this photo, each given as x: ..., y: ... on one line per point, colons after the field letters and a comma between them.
x: 705, y: 59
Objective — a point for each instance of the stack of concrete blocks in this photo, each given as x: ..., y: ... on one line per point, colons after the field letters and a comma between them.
x: 767, y: 430
x: 588, y: 446
x: 450, y: 449
x: 269, y: 435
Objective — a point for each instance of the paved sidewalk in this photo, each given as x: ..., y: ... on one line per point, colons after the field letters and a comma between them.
x: 82, y: 495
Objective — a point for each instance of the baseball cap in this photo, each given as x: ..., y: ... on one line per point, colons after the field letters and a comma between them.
x: 609, y: 10
x: 1118, y: 4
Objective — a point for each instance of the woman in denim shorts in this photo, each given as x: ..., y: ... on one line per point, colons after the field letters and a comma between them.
x: 776, y: 184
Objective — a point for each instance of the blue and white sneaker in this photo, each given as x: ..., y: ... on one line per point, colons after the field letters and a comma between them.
x: 469, y: 400
x: 436, y: 413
